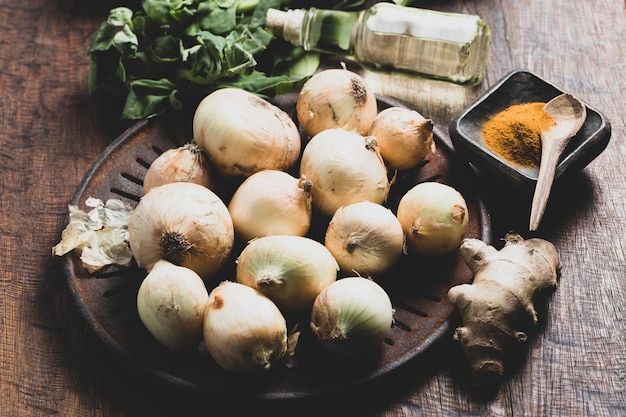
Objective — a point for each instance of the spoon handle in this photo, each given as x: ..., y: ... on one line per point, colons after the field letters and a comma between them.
x: 550, y: 154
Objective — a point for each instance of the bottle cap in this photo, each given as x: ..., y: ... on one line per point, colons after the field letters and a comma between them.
x: 285, y: 24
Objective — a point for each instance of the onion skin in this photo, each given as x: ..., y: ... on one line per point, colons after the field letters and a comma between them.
x: 187, y: 163
x: 404, y: 137
x: 352, y: 317
x: 184, y: 223
x: 345, y: 168
x: 336, y: 98
x: 271, y: 202
x: 290, y: 270
x: 365, y: 238
x: 171, y: 302
x: 434, y: 218
x: 243, y: 133
x: 244, y: 331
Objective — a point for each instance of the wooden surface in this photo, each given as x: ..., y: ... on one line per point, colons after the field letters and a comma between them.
x: 50, y: 134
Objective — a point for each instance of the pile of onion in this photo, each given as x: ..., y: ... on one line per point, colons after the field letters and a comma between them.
x: 183, y: 233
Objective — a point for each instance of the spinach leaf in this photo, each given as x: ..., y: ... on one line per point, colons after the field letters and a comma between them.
x: 172, y: 53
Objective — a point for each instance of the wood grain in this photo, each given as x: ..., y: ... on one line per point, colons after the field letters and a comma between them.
x: 50, y: 134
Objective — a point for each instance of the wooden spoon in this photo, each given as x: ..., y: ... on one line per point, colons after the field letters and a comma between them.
x: 568, y: 114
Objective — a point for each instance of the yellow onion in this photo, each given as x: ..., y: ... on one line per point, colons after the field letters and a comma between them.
x: 434, y: 218
x: 352, y: 316
x: 243, y: 133
x: 344, y: 167
x: 336, y: 98
x: 184, y: 223
x: 187, y: 163
x: 171, y: 302
x: 365, y: 238
x: 244, y: 331
x: 290, y: 270
x: 271, y: 202
x: 404, y: 137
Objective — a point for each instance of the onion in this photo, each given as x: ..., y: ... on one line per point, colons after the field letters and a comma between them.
x: 365, y: 238
x: 336, y: 98
x: 187, y: 163
x: 184, y: 223
x: 271, y: 202
x: 290, y: 270
x: 243, y: 133
x: 434, y: 217
x: 345, y: 168
x: 404, y: 137
x: 171, y: 302
x: 352, y: 316
x: 244, y: 331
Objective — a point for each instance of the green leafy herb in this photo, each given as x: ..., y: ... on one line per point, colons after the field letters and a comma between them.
x: 172, y: 53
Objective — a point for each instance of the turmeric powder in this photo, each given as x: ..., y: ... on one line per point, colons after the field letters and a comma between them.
x: 515, y: 133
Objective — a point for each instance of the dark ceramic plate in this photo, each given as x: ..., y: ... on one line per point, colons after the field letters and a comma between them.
x: 417, y: 287
x: 519, y: 87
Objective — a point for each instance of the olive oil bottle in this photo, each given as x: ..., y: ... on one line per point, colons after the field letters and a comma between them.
x: 388, y: 37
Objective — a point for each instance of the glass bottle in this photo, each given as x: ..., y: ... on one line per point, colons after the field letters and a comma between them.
x: 389, y: 37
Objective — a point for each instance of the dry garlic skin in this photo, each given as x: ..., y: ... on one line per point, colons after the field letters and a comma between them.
x: 171, y: 302
x: 244, y: 331
x: 434, y: 217
x: 404, y: 137
x: 184, y: 223
x: 243, y: 133
x: 336, y: 98
x: 365, y: 238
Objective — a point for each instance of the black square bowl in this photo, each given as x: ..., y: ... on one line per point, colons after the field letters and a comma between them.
x: 518, y: 87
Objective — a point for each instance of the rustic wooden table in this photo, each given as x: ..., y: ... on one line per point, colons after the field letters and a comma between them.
x: 50, y: 134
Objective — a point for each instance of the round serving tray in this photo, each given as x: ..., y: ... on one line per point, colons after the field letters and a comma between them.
x: 417, y: 286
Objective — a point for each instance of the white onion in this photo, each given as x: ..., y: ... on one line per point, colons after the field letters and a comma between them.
x: 345, y: 168
x: 352, y: 316
x: 187, y: 163
x: 171, y: 302
x: 434, y: 218
x: 365, y: 238
x: 184, y: 223
x: 243, y: 133
x: 404, y: 137
x: 290, y: 270
x: 244, y: 331
x: 271, y: 202
x: 336, y: 98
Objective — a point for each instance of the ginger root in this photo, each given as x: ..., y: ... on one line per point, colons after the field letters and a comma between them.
x: 498, y: 307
